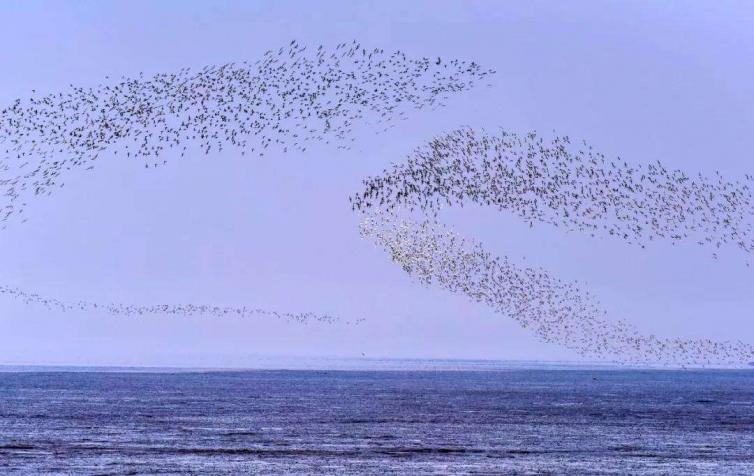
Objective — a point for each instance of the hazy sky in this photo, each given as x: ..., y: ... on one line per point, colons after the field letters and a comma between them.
x: 644, y: 80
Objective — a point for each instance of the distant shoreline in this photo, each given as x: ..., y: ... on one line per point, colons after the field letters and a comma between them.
x: 353, y: 365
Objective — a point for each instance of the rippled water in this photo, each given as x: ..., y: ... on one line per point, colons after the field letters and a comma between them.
x: 408, y: 422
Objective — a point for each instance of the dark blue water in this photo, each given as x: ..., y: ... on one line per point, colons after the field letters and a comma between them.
x: 517, y: 421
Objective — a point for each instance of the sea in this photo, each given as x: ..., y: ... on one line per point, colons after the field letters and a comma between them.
x: 377, y: 417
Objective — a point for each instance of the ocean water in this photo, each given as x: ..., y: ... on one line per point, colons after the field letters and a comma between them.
x: 499, y: 420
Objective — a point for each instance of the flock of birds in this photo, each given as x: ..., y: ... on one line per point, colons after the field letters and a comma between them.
x: 575, y: 188
x: 572, y: 187
x: 291, y: 97
x: 284, y: 101
x: 557, y: 311
x: 295, y: 96
x: 183, y: 310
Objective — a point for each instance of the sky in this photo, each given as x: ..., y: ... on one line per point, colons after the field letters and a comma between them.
x: 646, y: 81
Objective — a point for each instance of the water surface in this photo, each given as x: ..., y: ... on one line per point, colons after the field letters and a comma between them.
x: 516, y: 420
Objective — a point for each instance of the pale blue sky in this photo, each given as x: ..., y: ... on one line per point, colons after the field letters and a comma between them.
x: 644, y: 80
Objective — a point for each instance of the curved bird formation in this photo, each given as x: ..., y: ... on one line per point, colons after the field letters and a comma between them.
x: 556, y: 183
x: 289, y: 98
x: 294, y: 96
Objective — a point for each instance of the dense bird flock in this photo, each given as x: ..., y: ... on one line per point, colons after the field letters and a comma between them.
x: 575, y: 188
x: 291, y: 97
x: 556, y: 311
x: 294, y: 96
x: 284, y: 101
x: 183, y: 310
